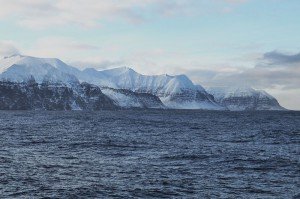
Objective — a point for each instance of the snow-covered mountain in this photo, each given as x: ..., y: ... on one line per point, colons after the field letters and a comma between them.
x: 174, y: 91
x: 126, y: 88
x: 19, y: 68
x: 244, y: 98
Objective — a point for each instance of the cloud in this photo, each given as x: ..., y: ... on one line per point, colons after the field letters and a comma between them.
x: 8, y: 48
x: 92, y: 13
x: 287, y: 98
x: 278, y: 58
x: 60, y: 47
x: 282, y: 82
x: 98, y: 64
x: 88, y: 13
x: 261, y: 78
x: 261, y: 75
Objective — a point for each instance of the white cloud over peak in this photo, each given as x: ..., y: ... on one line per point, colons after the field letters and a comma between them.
x: 8, y: 48
x: 60, y: 47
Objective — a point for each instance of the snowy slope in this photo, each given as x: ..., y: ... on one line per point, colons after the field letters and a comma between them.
x: 126, y: 78
x: 174, y: 91
x: 244, y: 98
x: 18, y: 68
x: 177, y: 92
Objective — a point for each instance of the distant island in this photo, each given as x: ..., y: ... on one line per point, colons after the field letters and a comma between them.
x: 30, y: 83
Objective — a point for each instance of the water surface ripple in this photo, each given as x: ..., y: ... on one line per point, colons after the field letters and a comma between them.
x: 149, y: 154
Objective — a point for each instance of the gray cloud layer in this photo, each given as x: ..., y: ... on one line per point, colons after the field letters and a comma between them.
x: 284, y: 73
x: 276, y: 58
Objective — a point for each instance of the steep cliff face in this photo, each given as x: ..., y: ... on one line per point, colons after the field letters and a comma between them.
x: 33, y: 96
x: 191, y: 99
x: 94, y: 98
x: 245, y: 98
x: 129, y: 99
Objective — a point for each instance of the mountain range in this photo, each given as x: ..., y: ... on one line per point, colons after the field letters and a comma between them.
x: 30, y: 83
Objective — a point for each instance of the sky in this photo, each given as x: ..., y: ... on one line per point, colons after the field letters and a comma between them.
x: 214, y: 42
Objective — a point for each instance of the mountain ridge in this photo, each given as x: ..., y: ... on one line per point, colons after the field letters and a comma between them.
x: 176, y: 92
x: 244, y: 98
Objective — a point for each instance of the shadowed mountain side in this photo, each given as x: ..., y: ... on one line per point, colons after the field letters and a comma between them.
x: 33, y: 96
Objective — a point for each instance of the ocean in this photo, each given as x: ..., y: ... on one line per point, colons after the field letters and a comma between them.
x: 149, y: 154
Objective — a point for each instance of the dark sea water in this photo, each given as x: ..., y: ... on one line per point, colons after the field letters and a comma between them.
x: 149, y: 154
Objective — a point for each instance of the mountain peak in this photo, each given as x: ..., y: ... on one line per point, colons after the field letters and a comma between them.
x: 244, y: 98
x: 19, y: 67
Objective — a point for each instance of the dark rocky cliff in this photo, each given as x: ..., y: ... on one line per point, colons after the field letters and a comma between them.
x: 129, y: 99
x: 32, y: 96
